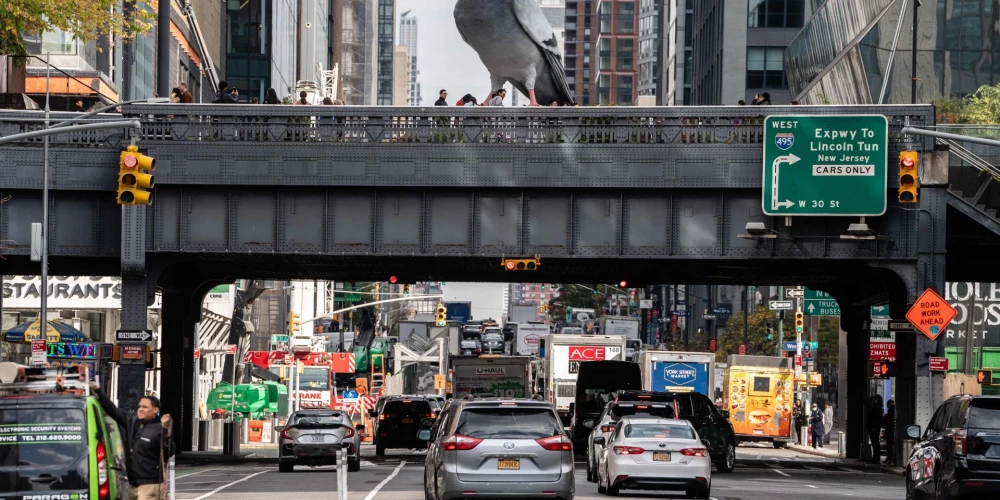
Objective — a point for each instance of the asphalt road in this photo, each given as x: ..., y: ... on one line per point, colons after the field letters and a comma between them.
x: 761, y: 473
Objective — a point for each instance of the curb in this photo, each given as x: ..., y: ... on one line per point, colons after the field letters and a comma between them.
x: 815, y: 452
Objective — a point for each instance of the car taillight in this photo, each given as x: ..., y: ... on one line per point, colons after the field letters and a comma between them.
x: 459, y: 442
x: 960, y: 442
x: 693, y: 452
x: 607, y: 428
x: 477, y: 351
x: 628, y: 450
x: 348, y: 431
x: 432, y: 414
x: 103, y: 489
x: 384, y: 416
x: 285, y: 434
x: 555, y: 443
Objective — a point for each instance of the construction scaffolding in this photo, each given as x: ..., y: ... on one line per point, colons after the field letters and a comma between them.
x: 358, y: 51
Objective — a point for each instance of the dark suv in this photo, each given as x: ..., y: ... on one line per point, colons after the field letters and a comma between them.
x: 399, y: 421
x: 958, y: 456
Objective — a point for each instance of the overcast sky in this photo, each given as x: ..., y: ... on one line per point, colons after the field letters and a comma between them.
x: 444, y: 60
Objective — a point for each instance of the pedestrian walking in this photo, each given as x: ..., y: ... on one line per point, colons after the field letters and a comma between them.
x: 224, y: 95
x: 762, y: 99
x: 467, y: 100
x: 498, y: 97
x: 874, y: 425
x: 828, y: 421
x: 327, y: 101
x: 149, y: 443
x: 303, y: 98
x: 442, y: 98
x: 816, y: 426
x: 186, y: 97
x: 78, y: 106
x: 798, y: 419
x: 271, y: 97
x: 889, y: 424
x: 175, y: 95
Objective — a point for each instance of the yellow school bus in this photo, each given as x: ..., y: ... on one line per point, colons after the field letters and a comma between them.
x: 759, y: 395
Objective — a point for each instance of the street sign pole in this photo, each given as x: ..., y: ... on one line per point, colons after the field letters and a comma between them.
x: 781, y: 322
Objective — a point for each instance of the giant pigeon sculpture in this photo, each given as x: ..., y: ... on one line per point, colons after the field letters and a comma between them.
x: 517, y: 45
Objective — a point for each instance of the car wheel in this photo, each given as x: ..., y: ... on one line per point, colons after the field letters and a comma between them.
x: 728, y: 462
x: 353, y: 465
x: 699, y: 493
x: 940, y: 489
x: 909, y: 485
x: 285, y: 467
x: 600, y: 483
x: 379, y: 450
x: 779, y: 444
x: 613, y: 490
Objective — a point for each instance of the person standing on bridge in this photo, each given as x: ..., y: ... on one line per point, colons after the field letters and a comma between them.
x: 148, y: 440
x: 498, y: 97
x: 816, y: 426
x: 442, y: 98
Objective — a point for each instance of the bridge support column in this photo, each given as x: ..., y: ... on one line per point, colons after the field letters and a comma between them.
x: 132, y: 375
x: 852, y: 321
x: 180, y: 314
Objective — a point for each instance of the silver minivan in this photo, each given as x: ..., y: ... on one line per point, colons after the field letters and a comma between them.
x: 498, y: 448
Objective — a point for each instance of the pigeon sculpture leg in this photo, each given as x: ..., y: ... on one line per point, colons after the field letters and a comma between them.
x: 496, y: 83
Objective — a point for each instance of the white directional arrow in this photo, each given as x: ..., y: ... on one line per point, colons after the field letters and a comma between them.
x: 790, y: 159
x: 811, y: 308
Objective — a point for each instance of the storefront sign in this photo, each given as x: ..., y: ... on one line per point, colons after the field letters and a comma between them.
x: 64, y: 292
x: 71, y: 350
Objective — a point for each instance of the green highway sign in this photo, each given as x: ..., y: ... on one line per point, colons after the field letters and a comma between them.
x: 275, y: 339
x: 817, y: 303
x: 834, y: 165
x: 349, y: 297
x: 880, y: 311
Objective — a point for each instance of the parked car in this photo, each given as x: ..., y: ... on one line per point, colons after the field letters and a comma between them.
x: 312, y: 437
x: 399, y: 422
x: 654, y: 454
x: 958, y: 455
x: 498, y: 447
x: 493, y: 342
x: 471, y: 347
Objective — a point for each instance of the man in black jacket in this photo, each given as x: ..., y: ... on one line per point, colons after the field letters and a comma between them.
x: 148, y: 441
x: 442, y: 98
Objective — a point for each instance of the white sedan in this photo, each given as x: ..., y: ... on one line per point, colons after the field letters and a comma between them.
x: 654, y: 454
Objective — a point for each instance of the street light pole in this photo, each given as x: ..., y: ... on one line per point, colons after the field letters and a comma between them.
x: 43, y: 301
x: 913, y: 60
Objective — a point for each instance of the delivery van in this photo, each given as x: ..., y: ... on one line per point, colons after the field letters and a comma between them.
x: 759, y: 393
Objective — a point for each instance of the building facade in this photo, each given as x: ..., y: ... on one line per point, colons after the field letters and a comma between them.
x: 408, y: 38
x: 842, y: 55
x: 601, y: 42
x: 386, y: 51
x: 400, y: 71
x: 673, y: 52
x: 648, y: 71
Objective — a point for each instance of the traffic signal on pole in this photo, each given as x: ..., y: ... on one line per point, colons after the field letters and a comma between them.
x: 134, y: 177
x: 799, y: 322
x: 293, y: 322
x: 909, y: 179
x: 770, y: 335
x: 543, y: 308
x: 521, y: 264
x: 441, y: 315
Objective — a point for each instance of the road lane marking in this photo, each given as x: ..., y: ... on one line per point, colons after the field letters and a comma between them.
x: 379, y: 486
x: 779, y: 471
x: 811, y: 467
x: 813, y: 487
x: 220, y: 488
x: 193, y: 473
x: 847, y: 469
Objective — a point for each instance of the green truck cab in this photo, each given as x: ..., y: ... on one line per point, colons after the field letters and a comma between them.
x: 253, y: 401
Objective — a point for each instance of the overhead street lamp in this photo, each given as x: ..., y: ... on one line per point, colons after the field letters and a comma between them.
x: 53, y: 129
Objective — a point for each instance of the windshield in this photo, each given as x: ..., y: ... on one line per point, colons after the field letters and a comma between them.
x: 984, y: 413
x: 314, y: 378
x: 316, y: 420
x: 655, y: 430
x: 493, y: 337
x: 508, y: 423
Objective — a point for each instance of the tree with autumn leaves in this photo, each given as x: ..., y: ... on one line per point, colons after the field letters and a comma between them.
x: 828, y: 335
x: 85, y: 19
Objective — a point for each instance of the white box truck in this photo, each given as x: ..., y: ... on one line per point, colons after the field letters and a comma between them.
x: 678, y: 372
x: 561, y: 357
x: 527, y: 337
x: 500, y: 377
x: 621, y: 325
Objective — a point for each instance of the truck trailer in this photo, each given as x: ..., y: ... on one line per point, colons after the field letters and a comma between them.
x: 500, y: 377
x: 678, y: 372
x: 561, y: 357
x: 527, y: 337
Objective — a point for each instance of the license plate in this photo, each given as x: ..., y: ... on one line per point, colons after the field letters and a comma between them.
x: 661, y: 457
x: 318, y: 438
x: 407, y: 420
x: 758, y: 431
x: 509, y: 464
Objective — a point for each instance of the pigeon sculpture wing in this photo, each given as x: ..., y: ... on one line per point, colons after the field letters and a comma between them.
x: 529, y: 14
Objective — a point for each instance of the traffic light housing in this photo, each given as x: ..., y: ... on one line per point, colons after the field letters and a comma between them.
x: 985, y: 377
x: 799, y: 322
x: 543, y: 308
x: 293, y: 322
x: 135, y: 178
x: 441, y: 315
x: 909, y: 178
x: 530, y: 264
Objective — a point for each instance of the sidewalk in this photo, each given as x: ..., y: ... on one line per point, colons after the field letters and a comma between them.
x: 830, y: 451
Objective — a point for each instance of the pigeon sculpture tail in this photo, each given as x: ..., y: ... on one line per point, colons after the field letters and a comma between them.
x: 517, y: 45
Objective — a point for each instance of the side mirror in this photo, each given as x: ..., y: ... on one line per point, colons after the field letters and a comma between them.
x: 725, y: 414
x: 913, y: 431
x: 424, y: 434
x: 588, y: 424
x: 600, y: 441
x: 426, y: 422
x: 279, y: 428
x: 359, y: 427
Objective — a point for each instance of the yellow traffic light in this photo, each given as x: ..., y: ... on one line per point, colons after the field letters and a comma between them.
x: 134, y: 179
x: 441, y: 315
x: 799, y: 322
x: 293, y: 322
x: 521, y: 264
x: 909, y: 178
x: 543, y: 308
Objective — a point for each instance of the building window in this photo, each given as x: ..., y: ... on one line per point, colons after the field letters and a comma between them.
x: 626, y: 17
x: 605, y: 48
x: 776, y: 13
x: 626, y: 51
x: 765, y: 68
x: 624, y: 90
x: 605, y: 17
x: 603, y: 90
